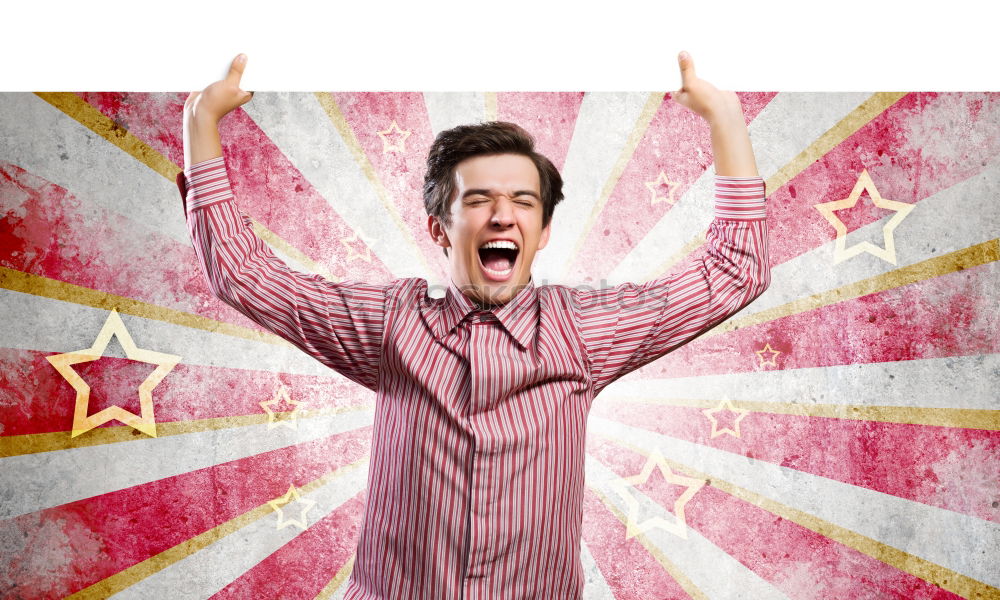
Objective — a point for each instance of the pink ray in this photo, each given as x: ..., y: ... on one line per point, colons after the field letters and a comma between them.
x: 83, y: 542
x: 631, y: 571
x: 550, y: 117
x: 946, y: 467
x: 266, y: 185
x: 45, y: 401
x: 955, y: 314
x: 401, y: 173
x: 304, y: 566
x: 798, y: 561
x: 677, y: 142
x: 923, y: 144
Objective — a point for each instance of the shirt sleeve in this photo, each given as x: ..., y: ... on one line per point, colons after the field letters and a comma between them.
x: 339, y: 324
x: 630, y: 325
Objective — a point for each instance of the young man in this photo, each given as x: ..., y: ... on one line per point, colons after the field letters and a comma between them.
x: 477, y: 463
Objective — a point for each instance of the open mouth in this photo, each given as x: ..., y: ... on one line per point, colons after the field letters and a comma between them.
x: 498, y: 258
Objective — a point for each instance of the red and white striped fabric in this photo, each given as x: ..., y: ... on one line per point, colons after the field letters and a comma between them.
x: 476, y: 482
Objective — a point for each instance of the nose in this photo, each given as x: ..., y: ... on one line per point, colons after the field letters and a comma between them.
x: 503, y: 213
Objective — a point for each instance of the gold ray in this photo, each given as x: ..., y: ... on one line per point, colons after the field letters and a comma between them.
x: 855, y: 120
x: 91, y: 118
x: 136, y: 573
x: 965, y: 418
x: 340, y: 123
x: 33, y: 443
x: 342, y: 574
x: 44, y: 287
x: 848, y: 126
x: 933, y: 573
x: 653, y: 103
x: 683, y: 580
x: 491, y: 106
x: 965, y: 258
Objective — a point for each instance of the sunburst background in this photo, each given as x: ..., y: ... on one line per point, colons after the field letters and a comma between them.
x: 836, y: 439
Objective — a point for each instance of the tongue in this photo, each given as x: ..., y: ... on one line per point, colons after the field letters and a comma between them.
x: 496, y: 260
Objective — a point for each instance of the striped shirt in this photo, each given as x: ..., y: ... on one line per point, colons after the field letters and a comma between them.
x: 476, y: 477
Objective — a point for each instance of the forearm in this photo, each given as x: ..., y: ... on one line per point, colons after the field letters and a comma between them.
x: 731, y: 142
x: 201, y: 140
x: 339, y: 324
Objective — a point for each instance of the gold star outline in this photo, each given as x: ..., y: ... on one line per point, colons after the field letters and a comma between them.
x: 281, y: 395
x: 767, y: 349
x: 725, y: 405
x: 400, y: 135
x: 113, y: 325
x: 864, y: 183
x: 662, y: 179
x: 679, y: 526
x: 352, y: 252
x: 292, y: 495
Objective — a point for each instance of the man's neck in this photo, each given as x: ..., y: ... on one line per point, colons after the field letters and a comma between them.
x: 492, y: 306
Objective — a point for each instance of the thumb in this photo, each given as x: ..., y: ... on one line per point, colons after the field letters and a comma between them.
x: 687, y: 68
x: 236, y: 70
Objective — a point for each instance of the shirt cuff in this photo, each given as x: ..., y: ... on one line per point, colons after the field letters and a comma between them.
x: 739, y: 198
x: 207, y: 183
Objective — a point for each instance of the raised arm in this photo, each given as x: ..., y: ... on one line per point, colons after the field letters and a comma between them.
x: 338, y: 323
x: 731, y: 146
x: 630, y: 325
x: 203, y: 110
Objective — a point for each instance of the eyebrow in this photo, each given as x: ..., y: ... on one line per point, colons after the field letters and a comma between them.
x: 486, y: 192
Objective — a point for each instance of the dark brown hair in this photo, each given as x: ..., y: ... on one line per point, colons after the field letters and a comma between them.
x: 454, y: 145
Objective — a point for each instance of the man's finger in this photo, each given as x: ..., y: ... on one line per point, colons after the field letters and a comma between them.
x: 236, y: 70
x: 687, y: 68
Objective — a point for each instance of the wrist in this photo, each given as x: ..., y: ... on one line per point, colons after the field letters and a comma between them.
x: 725, y: 117
x: 200, y: 121
x: 726, y: 111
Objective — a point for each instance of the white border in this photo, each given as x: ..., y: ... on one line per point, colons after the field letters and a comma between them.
x: 513, y: 45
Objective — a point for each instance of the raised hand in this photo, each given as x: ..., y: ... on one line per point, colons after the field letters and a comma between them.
x: 701, y: 96
x: 219, y: 98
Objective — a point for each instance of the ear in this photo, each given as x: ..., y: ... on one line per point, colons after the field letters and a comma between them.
x: 438, y: 234
x: 545, y: 236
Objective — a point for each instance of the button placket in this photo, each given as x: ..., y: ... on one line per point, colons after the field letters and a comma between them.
x: 479, y: 507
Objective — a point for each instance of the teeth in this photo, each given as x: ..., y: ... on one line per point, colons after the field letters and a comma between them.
x: 498, y: 273
x: 500, y: 244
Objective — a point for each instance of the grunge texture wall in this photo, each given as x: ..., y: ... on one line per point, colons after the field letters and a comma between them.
x: 836, y: 439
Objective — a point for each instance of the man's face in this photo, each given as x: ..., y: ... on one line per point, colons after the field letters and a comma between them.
x: 498, y: 197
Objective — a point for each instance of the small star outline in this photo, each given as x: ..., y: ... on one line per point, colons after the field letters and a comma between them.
x: 292, y: 495
x: 399, y: 134
x: 622, y: 486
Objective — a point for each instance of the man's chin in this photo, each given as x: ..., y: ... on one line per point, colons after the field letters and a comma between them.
x: 496, y: 292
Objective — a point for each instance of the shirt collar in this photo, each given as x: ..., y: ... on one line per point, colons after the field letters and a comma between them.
x: 519, y: 315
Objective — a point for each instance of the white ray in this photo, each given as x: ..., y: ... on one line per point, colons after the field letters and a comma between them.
x: 32, y: 482
x: 298, y: 125
x: 927, y: 232
x: 341, y: 592
x: 789, y: 124
x: 43, y: 324
x: 208, y: 571
x: 710, y: 568
x: 35, y: 135
x: 602, y: 131
x: 969, y: 382
x: 596, y: 586
x: 450, y: 109
x: 962, y: 543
